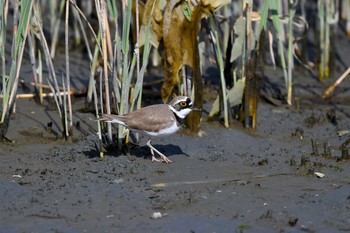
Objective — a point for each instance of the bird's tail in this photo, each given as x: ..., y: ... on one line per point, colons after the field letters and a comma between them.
x: 111, y: 118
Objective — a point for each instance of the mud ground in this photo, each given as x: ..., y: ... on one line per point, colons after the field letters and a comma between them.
x: 227, y: 180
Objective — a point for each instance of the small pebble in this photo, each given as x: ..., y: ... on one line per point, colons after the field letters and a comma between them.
x: 157, y: 215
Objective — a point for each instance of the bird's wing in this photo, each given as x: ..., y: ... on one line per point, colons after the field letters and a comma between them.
x: 150, y: 118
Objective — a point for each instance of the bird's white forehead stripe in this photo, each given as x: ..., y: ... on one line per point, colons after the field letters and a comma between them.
x: 183, y: 99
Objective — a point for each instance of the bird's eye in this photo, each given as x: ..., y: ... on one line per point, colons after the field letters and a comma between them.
x: 183, y: 104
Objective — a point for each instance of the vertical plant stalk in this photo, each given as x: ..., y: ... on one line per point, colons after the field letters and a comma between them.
x: 325, y: 10
x: 290, y: 53
x: 226, y: 27
x: 328, y: 15
x: 321, y: 15
x: 220, y: 62
x: 20, y: 39
x: 77, y: 16
x: 274, y: 7
x: 108, y: 37
x: 325, y: 50
x: 345, y: 14
x: 125, y: 53
x: 16, y: 15
x: 145, y: 56
x: 137, y: 96
x: 249, y: 58
x: 247, y: 8
x: 64, y: 110
x: 124, y: 98
x: 137, y: 49
x: 255, y: 72
x: 98, y: 122
x: 69, y: 127
x: 101, y: 10
x: 56, y: 26
x: 51, y: 79
x: 81, y: 14
x: 3, y: 12
x: 117, y: 43
x: 33, y: 62
x: 93, y: 58
x: 40, y: 75
x: 93, y: 67
x: 116, y: 58
x: 53, y: 17
x: 332, y: 18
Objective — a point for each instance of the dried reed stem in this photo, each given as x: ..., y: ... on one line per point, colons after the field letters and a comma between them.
x: 44, y: 95
x: 102, y: 17
x: 335, y: 84
x: 69, y: 130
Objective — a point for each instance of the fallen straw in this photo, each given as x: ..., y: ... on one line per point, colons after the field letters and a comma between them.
x: 339, y: 80
x: 32, y: 95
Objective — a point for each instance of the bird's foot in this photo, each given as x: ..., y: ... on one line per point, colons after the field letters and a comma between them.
x: 163, y: 159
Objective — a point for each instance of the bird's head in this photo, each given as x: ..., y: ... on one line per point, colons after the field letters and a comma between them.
x: 182, y: 106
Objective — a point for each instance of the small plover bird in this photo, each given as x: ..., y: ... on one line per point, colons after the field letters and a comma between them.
x: 155, y: 120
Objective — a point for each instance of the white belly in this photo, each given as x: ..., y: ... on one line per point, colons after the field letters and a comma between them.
x: 173, y: 129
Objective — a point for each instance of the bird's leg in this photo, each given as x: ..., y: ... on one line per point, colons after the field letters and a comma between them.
x: 154, y: 159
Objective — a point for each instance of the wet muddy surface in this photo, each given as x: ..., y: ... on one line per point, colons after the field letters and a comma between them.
x: 228, y: 180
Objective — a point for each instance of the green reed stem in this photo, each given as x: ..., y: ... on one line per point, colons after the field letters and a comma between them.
x: 3, y: 52
x: 220, y: 62
x: 123, y: 108
x: 17, y: 55
x: 146, y: 51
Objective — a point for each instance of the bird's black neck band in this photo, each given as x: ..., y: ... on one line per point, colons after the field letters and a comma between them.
x: 179, y: 120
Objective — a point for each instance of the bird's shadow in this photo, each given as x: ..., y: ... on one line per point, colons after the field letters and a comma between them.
x: 137, y: 151
x: 168, y: 150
